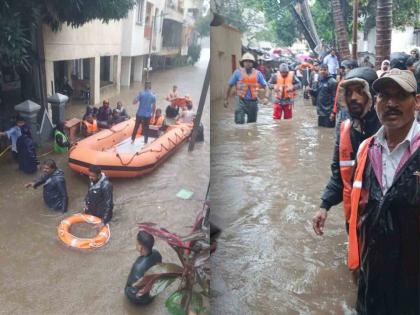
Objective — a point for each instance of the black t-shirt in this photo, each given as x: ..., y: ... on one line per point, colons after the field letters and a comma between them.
x: 140, y: 266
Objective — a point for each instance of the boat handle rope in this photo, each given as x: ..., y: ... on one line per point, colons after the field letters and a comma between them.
x: 162, y: 146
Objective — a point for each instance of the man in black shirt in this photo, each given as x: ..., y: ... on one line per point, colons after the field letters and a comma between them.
x: 148, y: 258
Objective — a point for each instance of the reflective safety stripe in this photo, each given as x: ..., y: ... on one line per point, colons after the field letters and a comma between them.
x: 65, y: 222
x: 357, y: 184
x: 347, y: 163
x: 73, y: 242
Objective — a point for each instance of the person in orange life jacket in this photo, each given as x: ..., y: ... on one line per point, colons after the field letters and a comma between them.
x: 285, y: 84
x: 158, y: 119
x: 384, y: 240
x: 356, y: 95
x: 247, y: 81
x: 89, y: 126
x: 157, y: 124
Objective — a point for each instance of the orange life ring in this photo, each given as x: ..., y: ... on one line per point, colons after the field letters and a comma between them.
x: 99, y: 240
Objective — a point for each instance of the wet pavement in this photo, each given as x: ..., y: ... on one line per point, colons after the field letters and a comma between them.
x: 266, y: 183
x: 40, y: 275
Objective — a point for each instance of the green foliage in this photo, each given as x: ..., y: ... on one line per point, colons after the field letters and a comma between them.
x: 202, y: 25
x: 174, y: 302
x: 404, y: 13
x: 19, y: 18
x: 194, y: 52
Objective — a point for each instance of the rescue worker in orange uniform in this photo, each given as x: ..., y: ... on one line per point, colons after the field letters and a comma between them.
x: 285, y: 84
x: 357, y: 96
x: 89, y: 126
x: 247, y: 81
x: 384, y: 242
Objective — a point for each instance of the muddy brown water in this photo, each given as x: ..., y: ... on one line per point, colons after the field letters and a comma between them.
x: 266, y: 183
x: 40, y: 275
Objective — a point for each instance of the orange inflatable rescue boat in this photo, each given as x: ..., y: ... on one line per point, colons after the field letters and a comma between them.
x: 112, y: 150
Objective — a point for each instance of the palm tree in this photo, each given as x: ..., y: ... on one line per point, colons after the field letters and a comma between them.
x: 383, y: 30
x: 341, y: 30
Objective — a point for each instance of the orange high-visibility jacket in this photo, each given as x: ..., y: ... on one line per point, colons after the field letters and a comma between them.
x: 353, y: 258
x: 283, y: 84
x: 247, y: 82
x: 345, y: 149
x: 91, y: 127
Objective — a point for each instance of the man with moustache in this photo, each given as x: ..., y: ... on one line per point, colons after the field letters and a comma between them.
x: 384, y: 229
x: 356, y: 95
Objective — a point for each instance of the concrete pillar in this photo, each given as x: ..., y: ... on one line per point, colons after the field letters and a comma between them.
x: 69, y: 65
x: 125, y: 71
x: 49, y: 76
x: 81, y: 69
x: 138, y: 68
x: 117, y: 72
x: 58, y: 102
x: 95, y: 83
x: 29, y: 111
x: 111, y: 69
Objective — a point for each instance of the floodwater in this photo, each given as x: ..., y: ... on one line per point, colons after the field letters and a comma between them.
x: 266, y: 183
x: 40, y: 275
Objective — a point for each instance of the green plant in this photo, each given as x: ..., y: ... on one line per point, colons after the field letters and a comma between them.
x: 193, y: 252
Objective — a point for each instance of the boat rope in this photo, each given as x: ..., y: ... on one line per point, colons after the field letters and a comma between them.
x: 5, y: 150
x: 162, y: 147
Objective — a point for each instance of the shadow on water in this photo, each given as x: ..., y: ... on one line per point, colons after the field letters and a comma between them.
x: 267, y: 179
x: 39, y: 275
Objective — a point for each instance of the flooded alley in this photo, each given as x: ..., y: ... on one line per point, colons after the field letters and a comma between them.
x: 40, y: 275
x: 267, y: 179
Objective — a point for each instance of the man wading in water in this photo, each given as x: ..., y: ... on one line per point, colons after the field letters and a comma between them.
x: 247, y: 81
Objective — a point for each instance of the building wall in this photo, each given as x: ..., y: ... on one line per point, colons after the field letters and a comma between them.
x: 402, y: 41
x: 225, y: 42
x: 134, y: 42
x: 92, y: 39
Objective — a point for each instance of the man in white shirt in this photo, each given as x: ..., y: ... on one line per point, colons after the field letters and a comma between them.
x: 384, y: 242
x: 331, y: 61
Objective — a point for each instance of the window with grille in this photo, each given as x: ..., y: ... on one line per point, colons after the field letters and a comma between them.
x: 140, y: 5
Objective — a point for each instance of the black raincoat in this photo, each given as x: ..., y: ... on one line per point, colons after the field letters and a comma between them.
x: 140, y: 266
x: 389, y: 244
x: 325, y: 95
x: 99, y: 200
x: 26, y: 157
x: 55, y: 192
x: 333, y: 192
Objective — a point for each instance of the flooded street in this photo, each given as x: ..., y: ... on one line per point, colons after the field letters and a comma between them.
x: 267, y: 179
x: 40, y: 275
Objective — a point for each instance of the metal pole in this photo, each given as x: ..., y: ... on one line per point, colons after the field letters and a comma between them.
x: 355, y: 16
x: 200, y: 108
x: 150, y: 48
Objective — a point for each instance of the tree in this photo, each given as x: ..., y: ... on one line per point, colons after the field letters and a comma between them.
x: 18, y: 18
x: 383, y: 30
x: 21, y: 38
x: 202, y: 25
x: 341, y: 29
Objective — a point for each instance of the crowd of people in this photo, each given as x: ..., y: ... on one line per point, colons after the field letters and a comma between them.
x: 375, y: 165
